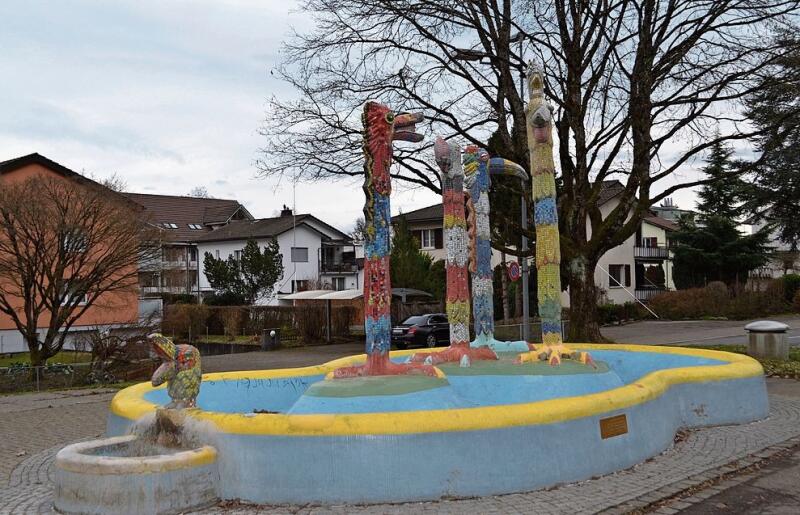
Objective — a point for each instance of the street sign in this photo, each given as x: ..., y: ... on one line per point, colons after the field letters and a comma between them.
x: 514, y: 272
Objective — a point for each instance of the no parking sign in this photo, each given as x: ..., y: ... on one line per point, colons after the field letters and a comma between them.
x: 514, y: 272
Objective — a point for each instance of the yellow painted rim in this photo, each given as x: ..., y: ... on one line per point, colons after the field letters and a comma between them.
x: 130, y: 402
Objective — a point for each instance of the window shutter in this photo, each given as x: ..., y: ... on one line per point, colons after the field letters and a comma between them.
x: 438, y: 238
x: 627, y: 275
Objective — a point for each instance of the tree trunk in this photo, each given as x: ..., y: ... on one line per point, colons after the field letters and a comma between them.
x: 37, y: 355
x: 504, y: 286
x: 584, y: 326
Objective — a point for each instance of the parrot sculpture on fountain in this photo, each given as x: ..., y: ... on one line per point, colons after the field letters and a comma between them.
x: 180, y: 369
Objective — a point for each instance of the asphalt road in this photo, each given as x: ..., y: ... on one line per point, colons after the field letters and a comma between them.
x: 693, y: 332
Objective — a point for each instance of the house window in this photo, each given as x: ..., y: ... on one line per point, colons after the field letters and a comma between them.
x: 299, y: 285
x: 69, y: 296
x: 196, y: 227
x: 169, y: 225
x: 338, y: 283
x: 620, y: 275
x: 299, y: 254
x: 427, y: 238
x: 650, y: 242
x: 74, y: 241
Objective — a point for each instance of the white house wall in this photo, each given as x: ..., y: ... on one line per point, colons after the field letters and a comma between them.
x: 301, y: 237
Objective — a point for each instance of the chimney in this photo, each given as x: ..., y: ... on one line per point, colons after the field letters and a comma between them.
x: 286, y: 211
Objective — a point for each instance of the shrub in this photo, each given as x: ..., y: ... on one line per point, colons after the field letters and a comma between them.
x: 310, y: 322
x: 617, y: 313
x: 185, y: 320
x: 715, y: 301
x: 796, y: 303
x: 791, y: 285
x: 231, y: 321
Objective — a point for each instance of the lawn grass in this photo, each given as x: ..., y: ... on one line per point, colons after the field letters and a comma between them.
x: 62, y: 357
x: 786, y: 368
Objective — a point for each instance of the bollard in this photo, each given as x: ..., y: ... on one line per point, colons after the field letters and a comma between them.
x: 767, y: 339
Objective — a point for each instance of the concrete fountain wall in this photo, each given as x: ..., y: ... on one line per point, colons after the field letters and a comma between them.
x: 108, y: 477
x: 420, y: 454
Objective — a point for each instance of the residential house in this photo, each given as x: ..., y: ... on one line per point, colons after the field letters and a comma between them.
x: 783, y: 260
x: 638, y: 269
x: 426, y: 225
x: 181, y: 220
x: 113, y: 310
x: 315, y: 254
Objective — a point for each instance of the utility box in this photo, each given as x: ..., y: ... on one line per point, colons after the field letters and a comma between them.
x: 767, y: 339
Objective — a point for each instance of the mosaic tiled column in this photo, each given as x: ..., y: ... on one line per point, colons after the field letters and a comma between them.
x: 548, y: 245
x: 381, y: 128
x: 448, y: 158
x: 477, y: 169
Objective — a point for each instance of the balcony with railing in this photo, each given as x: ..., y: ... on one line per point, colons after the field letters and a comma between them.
x: 651, y: 252
x: 342, y: 267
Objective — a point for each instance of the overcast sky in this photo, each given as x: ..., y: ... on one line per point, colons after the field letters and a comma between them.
x: 167, y: 95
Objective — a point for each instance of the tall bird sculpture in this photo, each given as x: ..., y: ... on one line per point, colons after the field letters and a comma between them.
x: 548, y: 246
x: 478, y: 167
x: 448, y: 158
x: 381, y: 128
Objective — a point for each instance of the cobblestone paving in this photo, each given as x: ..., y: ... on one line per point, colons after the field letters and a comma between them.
x: 703, y: 455
x: 31, y: 423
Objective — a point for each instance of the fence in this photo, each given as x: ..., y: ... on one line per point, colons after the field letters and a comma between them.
x: 513, y: 332
x: 56, y: 376
x: 302, y: 324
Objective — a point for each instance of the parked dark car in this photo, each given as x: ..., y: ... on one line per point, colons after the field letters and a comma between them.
x: 424, y: 330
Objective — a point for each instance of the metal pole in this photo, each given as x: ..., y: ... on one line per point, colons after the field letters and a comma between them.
x: 525, y: 295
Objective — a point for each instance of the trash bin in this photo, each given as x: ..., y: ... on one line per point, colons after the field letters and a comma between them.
x: 767, y: 339
x: 270, y: 338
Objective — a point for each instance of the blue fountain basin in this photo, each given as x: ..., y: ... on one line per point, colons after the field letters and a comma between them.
x: 466, y: 436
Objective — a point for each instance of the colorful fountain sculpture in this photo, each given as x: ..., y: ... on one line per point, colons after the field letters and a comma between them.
x: 285, y: 436
x: 180, y: 369
x: 448, y: 158
x: 548, y: 246
x: 381, y: 128
x: 158, y: 467
x: 478, y: 167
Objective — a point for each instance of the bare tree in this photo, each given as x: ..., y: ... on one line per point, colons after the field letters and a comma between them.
x: 199, y: 192
x: 638, y: 87
x: 66, y: 247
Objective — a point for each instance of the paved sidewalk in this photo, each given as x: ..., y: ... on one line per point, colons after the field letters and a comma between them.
x: 33, y: 422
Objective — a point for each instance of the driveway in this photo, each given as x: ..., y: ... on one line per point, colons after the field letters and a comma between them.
x: 691, y: 332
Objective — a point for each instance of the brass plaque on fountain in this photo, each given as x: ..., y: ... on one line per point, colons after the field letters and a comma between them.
x: 613, y: 426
